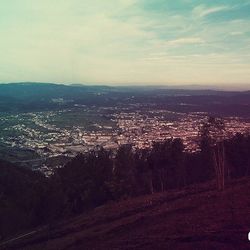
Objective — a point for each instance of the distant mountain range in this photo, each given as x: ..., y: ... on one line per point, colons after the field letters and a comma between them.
x: 51, y: 90
x: 24, y: 97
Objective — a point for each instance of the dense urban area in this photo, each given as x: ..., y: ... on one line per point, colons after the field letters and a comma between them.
x: 68, y: 132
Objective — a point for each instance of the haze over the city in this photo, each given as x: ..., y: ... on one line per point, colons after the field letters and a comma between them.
x: 126, y: 42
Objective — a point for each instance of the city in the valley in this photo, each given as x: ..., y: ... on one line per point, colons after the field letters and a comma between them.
x: 51, y: 137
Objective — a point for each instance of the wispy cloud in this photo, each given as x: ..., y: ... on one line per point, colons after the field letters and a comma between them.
x: 203, y: 10
x: 185, y: 41
x: 236, y: 33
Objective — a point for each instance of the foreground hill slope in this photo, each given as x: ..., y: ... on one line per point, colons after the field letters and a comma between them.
x: 198, y: 217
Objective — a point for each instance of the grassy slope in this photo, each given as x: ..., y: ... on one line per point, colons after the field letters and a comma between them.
x: 195, y: 218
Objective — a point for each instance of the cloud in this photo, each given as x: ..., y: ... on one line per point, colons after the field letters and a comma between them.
x: 185, y: 41
x: 203, y: 10
x: 236, y: 33
x: 122, y: 41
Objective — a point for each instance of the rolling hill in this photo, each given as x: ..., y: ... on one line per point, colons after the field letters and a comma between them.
x: 198, y: 217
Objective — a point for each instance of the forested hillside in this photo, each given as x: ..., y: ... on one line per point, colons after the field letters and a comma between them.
x: 28, y: 199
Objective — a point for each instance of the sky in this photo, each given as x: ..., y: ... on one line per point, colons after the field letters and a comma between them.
x: 125, y: 41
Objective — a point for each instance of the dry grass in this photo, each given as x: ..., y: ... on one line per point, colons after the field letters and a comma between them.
x: 198, y: 217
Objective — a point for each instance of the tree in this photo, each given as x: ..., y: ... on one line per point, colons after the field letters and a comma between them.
x: 237, y: 150
x: 177, y: 156
x: 101, y: 167
x: 124, y: 172
x: 143, y: 173
x: 167, y: 163
x: 86, y: 180
x: 22, y: 193
x: 212, y: 134
x: 158, y: 161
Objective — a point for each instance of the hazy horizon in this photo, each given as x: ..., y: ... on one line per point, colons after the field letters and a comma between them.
x: 223, y: 87
x: 127, y: 42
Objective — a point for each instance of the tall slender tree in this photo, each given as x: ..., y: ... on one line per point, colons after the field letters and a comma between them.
x: 212, y: 135
x: 124, y: 172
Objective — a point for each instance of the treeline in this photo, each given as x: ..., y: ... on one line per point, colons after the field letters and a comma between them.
x: 28, y: 199
x: 23, y: 194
